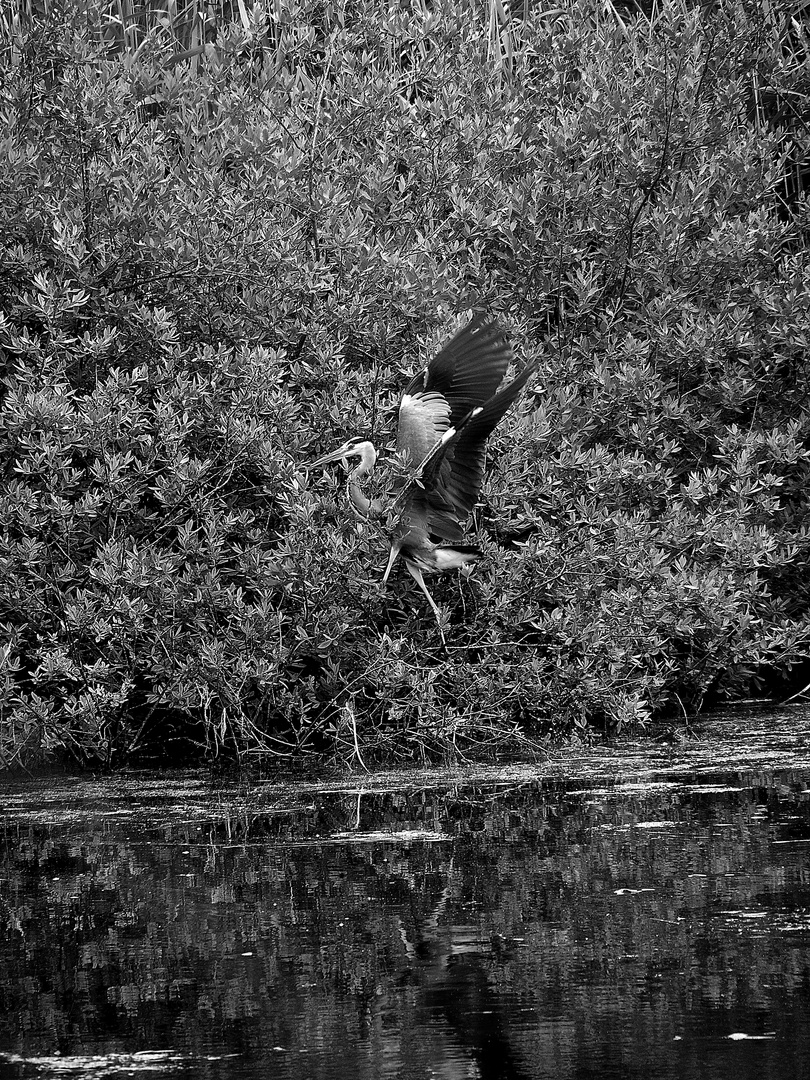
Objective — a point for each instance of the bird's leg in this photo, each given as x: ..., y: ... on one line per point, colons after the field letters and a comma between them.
x: 392, y: 558
x: 416, y: 574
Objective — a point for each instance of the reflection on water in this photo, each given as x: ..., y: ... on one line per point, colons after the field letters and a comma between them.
x: 534, y: 929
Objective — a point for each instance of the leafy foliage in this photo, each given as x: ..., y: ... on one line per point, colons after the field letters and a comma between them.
x: 212, y: 268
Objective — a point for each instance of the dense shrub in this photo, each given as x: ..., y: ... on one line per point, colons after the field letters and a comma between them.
x: 214, y: 267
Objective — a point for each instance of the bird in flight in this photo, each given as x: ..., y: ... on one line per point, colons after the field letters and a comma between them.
x: 446, y: 415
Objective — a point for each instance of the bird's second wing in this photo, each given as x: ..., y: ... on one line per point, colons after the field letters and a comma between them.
x: 452, y: 473
x: 470, y: 367
x: 462, y: 376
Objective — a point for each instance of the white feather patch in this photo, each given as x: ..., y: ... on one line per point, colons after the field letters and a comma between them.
x: 451, y: 431
x: 450, y: 559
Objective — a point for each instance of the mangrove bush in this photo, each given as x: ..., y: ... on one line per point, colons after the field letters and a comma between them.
x: 216, y: 262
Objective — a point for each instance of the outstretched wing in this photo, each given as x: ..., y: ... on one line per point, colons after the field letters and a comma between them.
x: 452, y: 473
x: 461, y: 377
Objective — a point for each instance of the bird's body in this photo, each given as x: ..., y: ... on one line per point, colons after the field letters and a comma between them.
x: 446, y: 414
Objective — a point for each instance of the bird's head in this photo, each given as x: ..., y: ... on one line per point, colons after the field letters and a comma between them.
x: 355, y: 447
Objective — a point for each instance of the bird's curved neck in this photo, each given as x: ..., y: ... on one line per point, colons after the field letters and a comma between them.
x: 368, y: 459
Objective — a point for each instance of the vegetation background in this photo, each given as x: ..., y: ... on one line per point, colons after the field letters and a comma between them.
x: 228, y: 233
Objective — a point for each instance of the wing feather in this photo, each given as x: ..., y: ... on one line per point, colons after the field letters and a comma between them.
x: 470, y: 367
x: 463, y: 375
x: 423, y: 419
x: 452, y: 474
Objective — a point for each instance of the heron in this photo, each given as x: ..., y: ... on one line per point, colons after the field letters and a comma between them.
x: 446, y: 414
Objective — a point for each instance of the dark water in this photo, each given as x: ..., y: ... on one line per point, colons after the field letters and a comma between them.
x: 621, y: 914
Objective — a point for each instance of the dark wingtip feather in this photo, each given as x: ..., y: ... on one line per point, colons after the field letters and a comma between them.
x: 470, y: 367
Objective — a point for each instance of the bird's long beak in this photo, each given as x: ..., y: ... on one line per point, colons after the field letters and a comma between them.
x: 336, y: 455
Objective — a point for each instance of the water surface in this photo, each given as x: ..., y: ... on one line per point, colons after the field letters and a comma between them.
x: 641, y: 912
